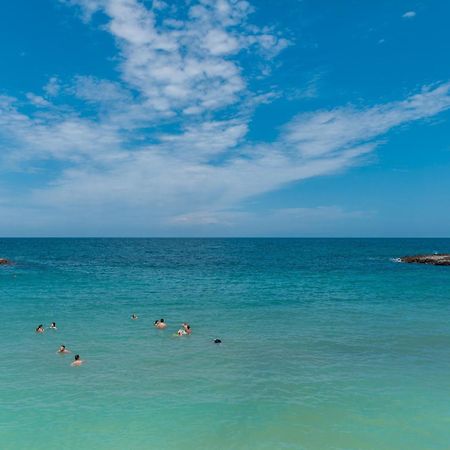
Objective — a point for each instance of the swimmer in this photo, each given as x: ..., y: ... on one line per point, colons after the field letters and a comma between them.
x: 77, y: 361
x: 40, y: 329
x: 160, y: 324
x: 186, y: 328
x: 53, y: 326
x: 63, y: 349
x: 181, y: 332
x: 134, y: 317
x: 217, y: 341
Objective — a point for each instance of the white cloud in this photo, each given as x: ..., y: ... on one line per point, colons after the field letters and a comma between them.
x: 53, y: 87
x: 309, y: 90
x: 206, y: 139
x: 177, y: 178
x: 409, y: 15
x: 37, y: 100
x: 103, y: 92
x: 282, y: 218
x: 322, y: 133
x: 53, y: 136
x: 202, y: 218
x: 217, y: 42
x: 184, y: 67
x: 158, y: 4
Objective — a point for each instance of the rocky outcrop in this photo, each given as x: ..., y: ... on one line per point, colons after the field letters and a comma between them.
x: 442, y: 259
x: 4, y: 261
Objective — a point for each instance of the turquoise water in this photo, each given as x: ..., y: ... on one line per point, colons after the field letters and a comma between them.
x: 327, y: 344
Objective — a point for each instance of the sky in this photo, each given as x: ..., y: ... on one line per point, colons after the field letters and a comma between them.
x: 297, y: 118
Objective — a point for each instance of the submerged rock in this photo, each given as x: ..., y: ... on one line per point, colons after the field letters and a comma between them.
x: 4, y: 261
x: 440, y: 259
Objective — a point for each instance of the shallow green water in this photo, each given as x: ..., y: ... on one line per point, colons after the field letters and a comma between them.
x: 327, y: 344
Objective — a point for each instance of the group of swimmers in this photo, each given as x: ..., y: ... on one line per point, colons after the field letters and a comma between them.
x: 62, y: 348
x: 160, y: 324
x: 185, y: 330
x: 40, y: 328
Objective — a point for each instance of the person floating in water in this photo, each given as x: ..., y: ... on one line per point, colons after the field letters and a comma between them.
x: 40, y: 329
x: 186, y: 328
x: 217, y: 341
x: 160, y: 324
x: 63, y: 349
x: 77, y: 361
x: 134, y: 317
x: 53, y: 326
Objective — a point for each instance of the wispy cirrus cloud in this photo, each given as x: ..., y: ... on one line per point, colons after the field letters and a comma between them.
x: 37, y: 100
x: 324, y: 132
x: 409, y: 15
x: 273, y: 222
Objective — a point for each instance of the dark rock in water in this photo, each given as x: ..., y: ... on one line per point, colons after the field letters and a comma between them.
x: 442, y: 259
x: 4, y: 261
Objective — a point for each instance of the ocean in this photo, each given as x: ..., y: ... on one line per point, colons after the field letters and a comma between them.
x: 326, y: 344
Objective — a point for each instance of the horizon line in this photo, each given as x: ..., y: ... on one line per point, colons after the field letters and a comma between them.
x: 224, y: 237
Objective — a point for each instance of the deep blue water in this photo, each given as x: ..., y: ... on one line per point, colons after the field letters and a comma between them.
x: 327, y: 344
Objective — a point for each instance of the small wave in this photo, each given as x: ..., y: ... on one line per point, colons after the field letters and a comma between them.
x: 396, y: 260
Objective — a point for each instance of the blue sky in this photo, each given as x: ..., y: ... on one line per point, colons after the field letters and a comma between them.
x: 224, y: 118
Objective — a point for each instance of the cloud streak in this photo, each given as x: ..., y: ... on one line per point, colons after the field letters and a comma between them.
x: 409, y: 15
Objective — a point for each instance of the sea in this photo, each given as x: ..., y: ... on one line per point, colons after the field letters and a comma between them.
x: 326, y: 344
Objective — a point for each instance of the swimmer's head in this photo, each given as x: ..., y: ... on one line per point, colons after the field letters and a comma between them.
x: 156, y: 322
x: 53, y: 324
x: 188, y: 327
x: 161, y: 320
x: 63, y: 347
x: 217, y: 341
x: 77, y: 357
